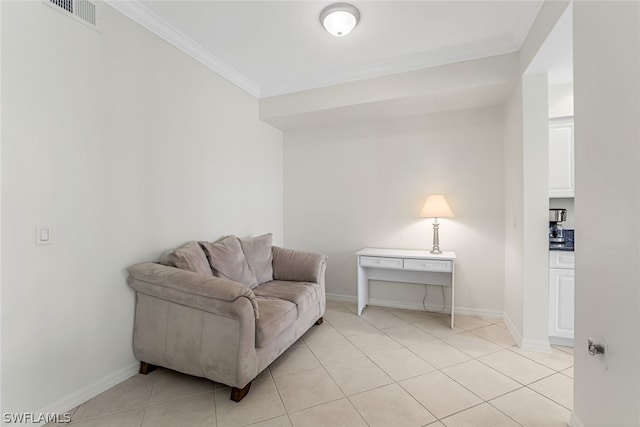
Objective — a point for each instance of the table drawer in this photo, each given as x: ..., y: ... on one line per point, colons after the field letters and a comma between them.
x: 374, y: 261
x: 427, y: 265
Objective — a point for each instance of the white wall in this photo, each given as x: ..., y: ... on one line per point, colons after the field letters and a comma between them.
x: 125, y: 147
x: 561, y: 100
x: 514, y: 203
x: 1, y: 184
x: 522, y: 210
x: 607, y: 158
x: 363, y: 184
x: 535, y: 155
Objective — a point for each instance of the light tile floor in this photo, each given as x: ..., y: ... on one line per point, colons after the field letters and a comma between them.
x: 387, y: 367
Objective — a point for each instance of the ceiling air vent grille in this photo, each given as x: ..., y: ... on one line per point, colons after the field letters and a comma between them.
x: 86, y: 10
x: 65, y: 4
x: 82, y: 10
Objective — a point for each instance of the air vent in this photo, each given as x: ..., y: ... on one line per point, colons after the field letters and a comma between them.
x: 65, y: 4
x: 81, y: 10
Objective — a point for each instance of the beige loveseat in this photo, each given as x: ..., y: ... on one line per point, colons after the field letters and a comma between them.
x: 225, y: 310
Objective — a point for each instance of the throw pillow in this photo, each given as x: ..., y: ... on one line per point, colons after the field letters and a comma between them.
x: 189, y: 257
x: 257, y: 250
x: 228, y: 261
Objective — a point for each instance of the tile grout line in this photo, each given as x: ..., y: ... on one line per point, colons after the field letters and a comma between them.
x: 116, y: 411
x: 483, y: 401
x: 368, y: 355
x: 540, y: 363
x: 521, y: 385
x: 372, y: 361
x: 275, y: 384
x: 503, y: 413
x: 419, y: 403
x: 475, y: 394
x: 510, y: 377
x: 144, y: 413
x: 549, y: 398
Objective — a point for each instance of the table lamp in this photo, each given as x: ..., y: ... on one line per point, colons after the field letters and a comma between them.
x: 436, y: 207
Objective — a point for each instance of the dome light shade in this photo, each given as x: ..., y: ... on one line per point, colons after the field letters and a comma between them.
x: 339, y: 19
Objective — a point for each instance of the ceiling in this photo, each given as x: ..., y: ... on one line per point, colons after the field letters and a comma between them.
x: 555, y: 56
x: 276, y: 47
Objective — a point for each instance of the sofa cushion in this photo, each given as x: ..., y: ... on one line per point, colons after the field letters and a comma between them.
x: 304, y: 295
x: 257, y: 250
x: 189, y: 257
x: 227, y: 260
x: 276, y: 315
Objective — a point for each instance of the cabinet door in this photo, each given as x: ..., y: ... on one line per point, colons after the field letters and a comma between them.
x: 562, y: 259
x: 561, y: 297
x: 561, y: 173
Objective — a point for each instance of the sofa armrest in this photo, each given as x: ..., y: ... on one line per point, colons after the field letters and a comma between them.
x: 184, y: 287
x: 298, y: 266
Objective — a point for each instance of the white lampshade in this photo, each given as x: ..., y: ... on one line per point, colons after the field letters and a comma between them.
x: 339, y: 19
x: 436, y: 206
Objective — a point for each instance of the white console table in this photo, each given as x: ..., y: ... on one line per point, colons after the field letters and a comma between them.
x: 406, y: 266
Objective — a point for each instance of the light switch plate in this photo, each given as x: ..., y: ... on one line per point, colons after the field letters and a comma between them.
x: 43, y: 235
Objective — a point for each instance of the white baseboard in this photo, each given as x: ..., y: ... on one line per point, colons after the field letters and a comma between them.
x: 92, y: 390
x: 574, y: 421
x: 525, y: 343
x: 515, y: 333
x: 480, y: 312
x: 342, y: 298
x: 465, y: 311
x: 535, y: 345
x: 567, y: 342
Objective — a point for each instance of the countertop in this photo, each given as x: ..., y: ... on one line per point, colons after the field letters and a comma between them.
x: 568, y: 244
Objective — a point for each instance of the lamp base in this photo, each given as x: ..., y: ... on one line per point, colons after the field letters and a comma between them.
x: 436, y: 238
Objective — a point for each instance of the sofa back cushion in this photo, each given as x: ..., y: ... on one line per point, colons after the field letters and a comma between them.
x: 297, y: 266
x: 227, y: 260
x: 257, y: 250
x: 189, y: 257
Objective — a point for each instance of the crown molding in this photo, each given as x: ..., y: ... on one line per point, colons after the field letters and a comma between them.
x: 137, y: 12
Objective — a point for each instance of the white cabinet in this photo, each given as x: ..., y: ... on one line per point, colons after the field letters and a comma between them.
x: 561, y: 166
x: 561, y: 297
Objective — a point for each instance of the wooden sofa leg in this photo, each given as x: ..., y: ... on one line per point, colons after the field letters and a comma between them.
x: 145, y: 368
x: 319, y: 321
x: 237, y: 394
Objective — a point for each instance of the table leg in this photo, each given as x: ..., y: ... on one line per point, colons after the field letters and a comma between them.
x: 453, y: 293
x: 363, y: 289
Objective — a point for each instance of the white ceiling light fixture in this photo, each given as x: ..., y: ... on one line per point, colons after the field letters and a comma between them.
x: 339, y: 19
